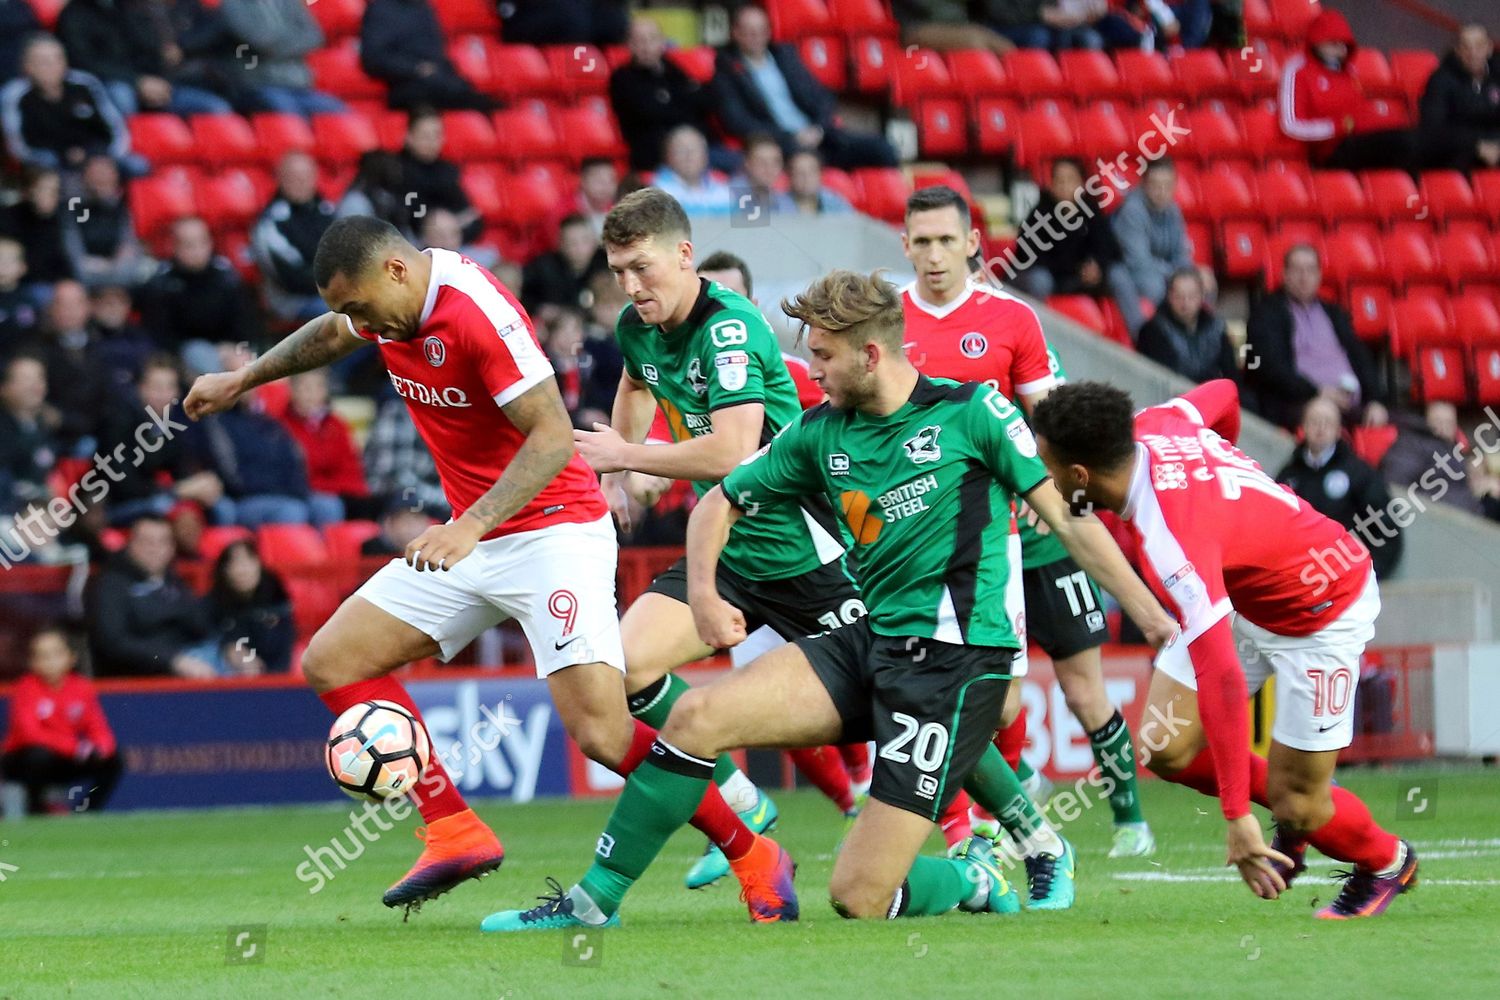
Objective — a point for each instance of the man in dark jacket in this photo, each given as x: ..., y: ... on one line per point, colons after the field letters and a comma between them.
x: 261, y: 467
x: 57, y: 117
x: 429, y: 181
x: 197, y: 300
x: 651, y: 96
x: 564, y: 22
x: 1460, y: 112
x: 1326, y: 473
x: 28, y: 449
x: 767, y: 88
x: 285, y: 238
x: 1185, y: 335
x: 143, y: 618
x: 401, y: 42
x: 560, y: 277
x: 1298, y: 346
x: 77, y: 379
x: 132, y: 45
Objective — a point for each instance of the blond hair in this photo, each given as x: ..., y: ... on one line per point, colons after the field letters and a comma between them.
x: 863, y: 307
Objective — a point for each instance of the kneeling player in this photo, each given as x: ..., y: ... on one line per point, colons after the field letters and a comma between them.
x: 925, y: 471
x: 1232, y: 554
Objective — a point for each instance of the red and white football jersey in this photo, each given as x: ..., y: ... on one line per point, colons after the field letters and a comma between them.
x: 475, y: 352
x: 1216, y: 534
x: 985, y: 335
x: 809, y: 393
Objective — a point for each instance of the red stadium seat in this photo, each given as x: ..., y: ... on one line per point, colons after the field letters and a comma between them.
x: 872, y: 61
x: 159, y: 200
x: 314, y: 601
x: 590, y: 130
x: 1258, y: 20
x: 164, y: 140
x: 1035, y: 74
x: 1081, y: 309
x: 1487, y: 190
x: 345, y: 537
x: 1412, y: 68
x: 1394, y: 196
x: 469, y: 135
x: 216, y: 538
x: 1477, y: 320
x: 578, y: 69
x: 1043, y: 135
x: 1423, y: 334
x: 1354, y: 254
x: 920, y: 74
x: 1340, y: 196
x: 1114, y: 321
x: 483, y: 184
x: 1102, y: 133
x: 470, y: 55
x: 229, y: 200
x: 530, y: 195
x: 526, y: 133
x: 1283, y: 196
x: 1201, y: 237
x: 794, y: 19
x: 339, y: 19
x: 1410, y: 256
x: 697, y: 62
x: 1292, y: 17
x: 1255, y: 69
x: 1225, y: 195
x: 827, y: 60
x: 1213, y: 136
x: 1090, y: 75
x: 457, y: 17
x: 979, y: 73
x: 390, y: 126
x: 341, y: 139
x: 1370, y: 310
x: 995, y: 123
x: 1145, y: 74
x: 277, y: 133
x: 1189, y: 198
x: 290, y: 545
x: 1370, y: 68
x: 863, y: 18
x: 1448, y: 196
x: 1464, y: 258
x: 1201, y: 75
x: 225, y: 140
x: 336, y: 70
x: 883, y: 192
x: 1264, y: 138
x: 522, y: 71
x: 942, y: 128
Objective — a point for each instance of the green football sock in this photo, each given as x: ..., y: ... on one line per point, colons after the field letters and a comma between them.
x: 996, y: 787
x: 659, y: 797
x: 1023, y: 770
x: 653, y: 703
x: 1116, y: 758
x: 933, y: 886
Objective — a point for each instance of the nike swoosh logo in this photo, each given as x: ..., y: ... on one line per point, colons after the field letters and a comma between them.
x: 388, y: 729
x: 1324, y: 729
x: 759, y: 816
x: 559, y: 645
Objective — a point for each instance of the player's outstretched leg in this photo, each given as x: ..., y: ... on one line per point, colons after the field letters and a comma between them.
x: 347, y: 663
x: 1050, y: 860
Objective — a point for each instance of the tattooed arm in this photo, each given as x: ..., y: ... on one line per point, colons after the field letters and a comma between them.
x: 316, y: 343
x: 538, y: 413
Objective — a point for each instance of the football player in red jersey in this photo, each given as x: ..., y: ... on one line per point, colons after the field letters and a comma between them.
x: 530, y: 539
x: 1251, y: 571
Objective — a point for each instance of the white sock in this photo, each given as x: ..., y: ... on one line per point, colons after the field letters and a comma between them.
x: 740, y: 792
x: 584, y: 907
x: 979, y: 900
x: 1394, y: 866
x: 1044, y: 840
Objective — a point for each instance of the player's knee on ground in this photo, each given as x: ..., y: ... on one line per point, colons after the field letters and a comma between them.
x: 857, y: 900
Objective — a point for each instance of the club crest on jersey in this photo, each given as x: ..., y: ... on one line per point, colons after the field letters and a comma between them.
x: 696, y: 381
x: 924, y: 447
x: 1021, y: 436
x: 838, y: 464
x: 434, y: 351
x: 733, y: 368
x: 973, y: 344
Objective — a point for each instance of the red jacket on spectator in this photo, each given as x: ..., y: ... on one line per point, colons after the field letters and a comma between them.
x: 333, y: 464
x: 59, y: 718
x: 1321, y: 106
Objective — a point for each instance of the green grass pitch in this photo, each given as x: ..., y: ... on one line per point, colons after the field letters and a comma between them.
x: 149, y: 905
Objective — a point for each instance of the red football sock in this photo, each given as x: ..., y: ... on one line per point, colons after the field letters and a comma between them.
x: 640, y: 748
x: 1011, y: 739
x: 436, y: 795
x: 823, y: 767
x: 722, y: 825
x: 955, y: 819
x: 1351, y: 835
x: 857, y: 760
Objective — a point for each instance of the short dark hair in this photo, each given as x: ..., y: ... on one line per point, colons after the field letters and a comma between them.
x: 590, y: 162
x: 1161, y: 163
x: 350, y: 245
x: 1070, y: 161
x: 420, y: 113
x: 160, y: 361
x: 573, y: 219
x: 1295, y: 248
x: 149, y: 519
x: 723, y: 260
x: 1087, y: 423
x: 760, y: 139
x: 644, y: 214
x: 1186, y: 271
x: 930, y: 199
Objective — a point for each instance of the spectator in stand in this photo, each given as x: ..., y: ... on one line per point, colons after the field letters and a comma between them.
x: 123, y: 347
x: 17, y: 23
x: 441, y: 228
x: 1298, y: 346
x: 28, y: 448
x: 58, y: 734
x: 1185, y: 335
x: 560, y: 277
x: 377, y: 191
x: 1432, y: 455
x: 169, y: 474
x: 1084, y: 260
x: 685, y: 174
x: 809, y: 196
x: 1038, y: 24
x: 400, y: 524
x: 600, y: 362
x: 562, y: 339
x: 1326, y: 473
x: 334, y: 469
x: 197, y: 300
x: 1460, y: 115
x: 263, y: 472
x: 249, y: 606
x: 144, y: 619
x: 763, y: 87
x: 402, y: 44
x: 1322, y: 105
x: 948, y: 25
x: 1153, y: 237
x: 762, y: 178
x: 133, y: 46
x: 271, y: 39
x: 56, y: 117
x: 564, y: 22
x: 77, y: 381
x: 429, y: 181
x: 99, y: 232
x: 36, y: 223
x: 286, y: 236
x: 398, y: 465
x: 598, y: 180
x: 651, y: 96
x: 18, y: 312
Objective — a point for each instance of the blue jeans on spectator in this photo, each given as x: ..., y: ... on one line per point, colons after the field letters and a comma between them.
x: 1196, y: 18
x: 295, y: 101
x: 210, y: 652
x: 262, y: 508
x: 1040, y: 36
x: 121, y: 514
x: 1118, y: 33
x: 325, y: 508
x: 185, y: 100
